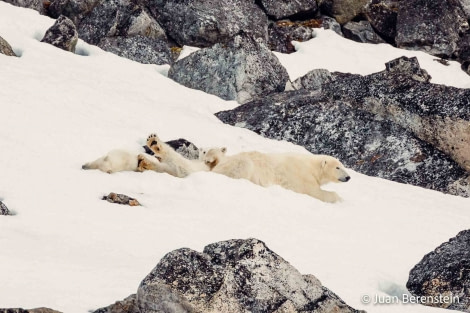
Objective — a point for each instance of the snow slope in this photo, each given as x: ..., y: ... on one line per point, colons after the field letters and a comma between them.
x: 66, y: 249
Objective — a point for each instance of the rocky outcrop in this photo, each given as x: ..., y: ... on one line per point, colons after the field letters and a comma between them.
x: 37, y: 310
x: 361, y: 32
x: 281, y: 34
x: 5, y: 48
x: 283, y: 9
x: 444, y: 275
x: 433, y: 26
x: 62, y: 34
x: 343, y: 10
x: 3, y: 209
x: 241, y: 69
x: 139, y: 48
x: 121, y: 199
x: 382, y: 15
x: 227, y: 277
x: 75, y: 10
x: 38, y: 5
x: 203, y: 23
x: 392, y: 124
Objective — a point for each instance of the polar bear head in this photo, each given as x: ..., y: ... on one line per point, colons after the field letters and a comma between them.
x: 332, y: 171
x: 213, y: 156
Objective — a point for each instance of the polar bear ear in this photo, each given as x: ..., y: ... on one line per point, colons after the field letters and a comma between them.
x: 224, y: 149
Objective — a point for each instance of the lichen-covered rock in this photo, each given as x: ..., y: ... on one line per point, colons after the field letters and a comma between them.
x: 121, y: 199
x: 313, y: 79
x: 382, y: 15
x: 73, y: 9
x: 233, y: 276
x: 128, y: 305
x: 5, y: 48
x: 444, y: 274
x: 202, y: 23
x: 62, y: 34
x: 433, y: 26
x: 20, y: 310
x: 186, y: 148
x: 279, y: 9
x: 281, y: 34
x: 466, y: 7
x: 343, y: 10
x: 361, y: 32
x: 3, y: 209
x: 139, y: 48
x: 241, y: 69
x: 38, y: 5
x: 330, y: 23
x: 392, y: 124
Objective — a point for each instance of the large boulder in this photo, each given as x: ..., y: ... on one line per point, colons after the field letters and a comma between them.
x: 241, y: 69
x: 343, y: 10
x: 75, y: 10
x: 442, y: 277
x: 229, y: 277
x: 361, y: 31
x: 382, y: 15
x: 62, y: 34
x: 392, y: 124
x: 38, y: 5
x: 282, y: 33
x: 203, y: 23
x: 285, y: 8
x: 466, y: 7
x: 463, y: 52
x: 5, y: 48
x: 433, y: 26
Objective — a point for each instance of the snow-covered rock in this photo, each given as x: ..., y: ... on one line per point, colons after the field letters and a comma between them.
x: 62, y: 34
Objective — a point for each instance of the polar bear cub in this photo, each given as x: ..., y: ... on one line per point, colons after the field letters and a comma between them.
x: 167, y: 160
x: 115, y: 161
x: 302, y: 173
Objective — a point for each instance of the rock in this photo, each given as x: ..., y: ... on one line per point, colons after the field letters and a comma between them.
x: 463, y: 52
x: 185, y: 148
x: 331, y: 23
x: 111, y: 18
x: 361, y: 32
x: 466, y: 7
x: 433, y: 26
x: 382, y: 15
x: 121, y: 199
x: 342, y: 10
x: 241, y: 69
x: 139, y: 48
x: 3, y: 209
x: 444, y: 273
x: 5, y: 48
x: 233, y: 276
x: 392, y: 124
x: 313, y: 80
x: 38, y: 5
x: 20, y: 310
x: 75, y: 10
x: 127, y: 305
x: 283, y: 9
x: 62, y: 34
x: 202, y: 23
x: 281, y: 33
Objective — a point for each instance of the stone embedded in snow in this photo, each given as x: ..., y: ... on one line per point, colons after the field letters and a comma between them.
x: 5, y: 48
x: 285, y: 8
x: 443, y: 273
x: 332, y: 24
x: 282, y: 33
x: 241, y: 69
x: 128, y: 305
x: 186, y: 148
x: 37, y: 310
x: 343, y: 10
x: 62, y: 34
x: 121, y: 199
x: 433, y: 26
x: 361, y: 32
x: 392, y: 124
x: 3, y: 209
x: 202, y: 23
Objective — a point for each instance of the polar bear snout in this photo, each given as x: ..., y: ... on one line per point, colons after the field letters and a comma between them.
x: 344, y: 179
x: 343, y: 175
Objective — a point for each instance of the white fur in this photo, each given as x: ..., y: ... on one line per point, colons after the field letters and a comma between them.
x: 114, y: 161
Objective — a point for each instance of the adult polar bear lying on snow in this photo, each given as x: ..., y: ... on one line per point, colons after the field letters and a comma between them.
x: 302, y: 173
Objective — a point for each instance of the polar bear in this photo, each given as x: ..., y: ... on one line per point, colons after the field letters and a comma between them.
x: 302, y: 173
x: 115, y: 161
x: 167, y: 160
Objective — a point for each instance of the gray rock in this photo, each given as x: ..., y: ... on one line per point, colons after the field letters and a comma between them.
x: 279, y: 9
x: 20, y: 310
x: 313, y: 80
x: 281, y: 34
x: 203, y: 23
x: 38, y: 5
x: 62, y: 34
x: 75, y: 10
x: 433, y: 26
x: 233, y: 276
x: 3, y: 209
x: 444, y: 273
x: 463, y: 52
x: 128, y: 305
x: 241, y: 69
x: 382, y: 15
x: 331, y: 23
x: 186, y: 148
x: 466, y: 7
x: 342, y: 10
x: 361, y: 32
x: 121, y: 199
x: 139, y: 48
x: 5, y: 48
x: 392, y: 124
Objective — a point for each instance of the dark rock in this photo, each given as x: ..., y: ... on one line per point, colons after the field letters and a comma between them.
x: 128, y: 305
x: 313, y: 80
x: 111, y: 18
x: 281, y: 33
x: 38, y: 5
x: 139, y: 48
x: 121, y: 199
x: 343, y: 10
x: 37, y: 310
x: 444, y: 274
x: 3, y: 209
x: 382, y: 15
x: 75, y: 10
x: 463, y: 52
x: 433, y: 26
x: 5, y: 48
x: 241, y: 69
x: 62, y: 34
x: 331, y: 23
x: 389, y: 124
x: 361, y: 32
x: 286, y: 8
x: 203, y: 23
x: 185, y: 148
x: 466, y: 7
x: 233, y: 276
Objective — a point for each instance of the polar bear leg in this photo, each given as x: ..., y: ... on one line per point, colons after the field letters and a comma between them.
x: 325, y: 196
